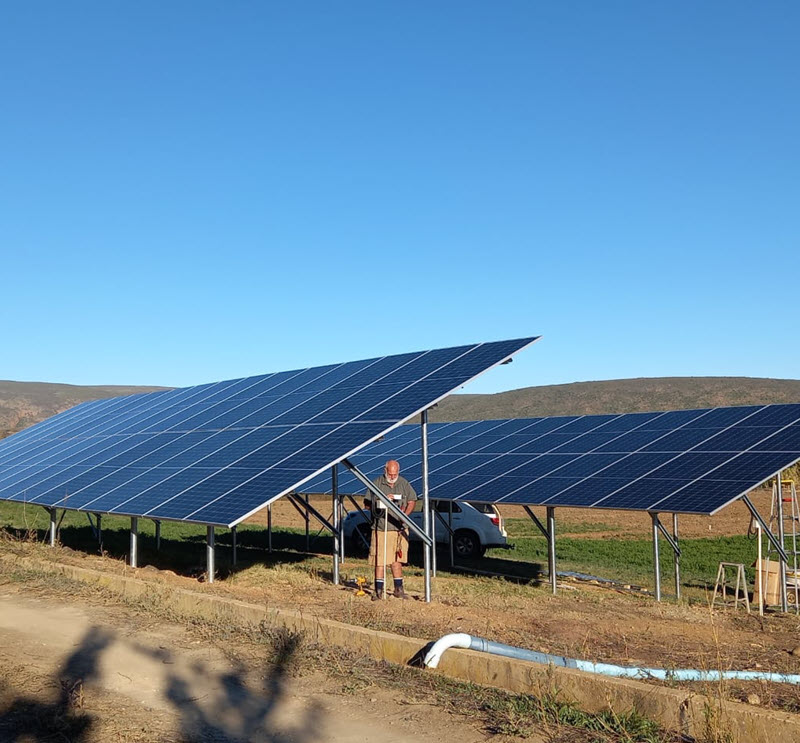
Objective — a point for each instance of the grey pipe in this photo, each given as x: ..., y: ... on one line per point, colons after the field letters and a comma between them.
x: 468, y: 642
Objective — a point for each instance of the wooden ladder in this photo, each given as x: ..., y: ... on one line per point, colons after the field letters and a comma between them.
x: 741, y: 585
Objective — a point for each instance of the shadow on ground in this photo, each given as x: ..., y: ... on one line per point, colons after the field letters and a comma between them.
x: 208, y: 705
x: 187, y: 556
x: 27, y: 719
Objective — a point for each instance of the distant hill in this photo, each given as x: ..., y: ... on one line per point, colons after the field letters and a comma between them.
x: 24, y: 403
x: 619, y: 396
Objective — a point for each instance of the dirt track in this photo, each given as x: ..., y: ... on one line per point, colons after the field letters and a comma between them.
x: 585, y: 622
x: 101, y: 673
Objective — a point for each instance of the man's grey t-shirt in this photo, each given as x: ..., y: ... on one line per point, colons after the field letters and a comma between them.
x: 401, y: 488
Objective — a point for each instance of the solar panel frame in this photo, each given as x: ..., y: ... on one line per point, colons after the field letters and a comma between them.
x: 300, y: 423
x: 653, y: 461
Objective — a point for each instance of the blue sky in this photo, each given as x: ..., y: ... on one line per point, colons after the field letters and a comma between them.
x: 193, y: 191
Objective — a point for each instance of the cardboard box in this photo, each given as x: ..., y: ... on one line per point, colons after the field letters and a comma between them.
x: 770, y: 582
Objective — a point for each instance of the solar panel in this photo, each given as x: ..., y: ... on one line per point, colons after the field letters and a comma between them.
x: 683, y: 461
x: 215, y: 453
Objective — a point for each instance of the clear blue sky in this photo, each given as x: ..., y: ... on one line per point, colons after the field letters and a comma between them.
x: 194, y: 191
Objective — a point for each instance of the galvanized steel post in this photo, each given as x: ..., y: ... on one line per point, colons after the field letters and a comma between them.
x: 234, y: 556
x: 158, y: 535
x: 336, y: 525
x: 433, y: 540
x: 450, y: 531
x: 210, y: 568
x: 426, y: 514
x: 551, y: 547
x: 677, y: 557
x: 269, y: 528
x: 53, y: 526
x: 308, y: 526
x: 340, y: 506
x: 656, y: 564
x: 134, y: 551
x: 782, y: 540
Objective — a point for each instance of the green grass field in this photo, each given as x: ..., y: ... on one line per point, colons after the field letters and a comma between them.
x: 183, y: 548
x: 630, y: 559
x: 518, y: 528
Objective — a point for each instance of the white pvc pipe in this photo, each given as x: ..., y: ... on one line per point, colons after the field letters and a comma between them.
x: 455, y: 640
x: 685, y: 674
x: 468, y: 642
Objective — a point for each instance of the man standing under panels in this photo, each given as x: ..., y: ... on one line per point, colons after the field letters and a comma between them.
x: 389, y: 545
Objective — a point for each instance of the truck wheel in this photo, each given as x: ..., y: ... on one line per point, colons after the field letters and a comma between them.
x: 466, y: 543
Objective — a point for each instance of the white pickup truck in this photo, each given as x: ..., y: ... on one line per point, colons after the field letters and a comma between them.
x: 476, y: 527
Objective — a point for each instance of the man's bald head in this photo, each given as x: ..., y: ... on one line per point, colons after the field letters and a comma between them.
x: 391, y: 471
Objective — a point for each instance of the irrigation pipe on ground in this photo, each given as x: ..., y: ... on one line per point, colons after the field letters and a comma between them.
x: 468, y: 642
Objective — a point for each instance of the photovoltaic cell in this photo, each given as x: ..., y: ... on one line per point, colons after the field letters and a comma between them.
x: 685, y: 461
x: 215, y: 453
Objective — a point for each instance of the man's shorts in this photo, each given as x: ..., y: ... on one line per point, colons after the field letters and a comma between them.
x: 396, y: 548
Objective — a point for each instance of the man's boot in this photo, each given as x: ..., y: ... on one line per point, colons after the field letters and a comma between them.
x: 399, y: 593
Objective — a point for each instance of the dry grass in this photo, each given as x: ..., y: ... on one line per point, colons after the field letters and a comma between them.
x: 520, y: 716
x: 587, y: 622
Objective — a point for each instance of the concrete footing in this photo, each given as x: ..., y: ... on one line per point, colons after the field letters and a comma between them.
x: 676, y: 709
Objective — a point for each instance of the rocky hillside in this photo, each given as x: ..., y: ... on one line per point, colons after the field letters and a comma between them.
x: 619, y: 396
x: 24, y: 403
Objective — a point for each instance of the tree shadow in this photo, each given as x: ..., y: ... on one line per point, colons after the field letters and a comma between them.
x: 234, y: 705
x: 31, y: 720
x: 225, y: 708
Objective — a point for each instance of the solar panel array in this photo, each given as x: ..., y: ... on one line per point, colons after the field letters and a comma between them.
x: 215, y: 453
x: 683, y: 461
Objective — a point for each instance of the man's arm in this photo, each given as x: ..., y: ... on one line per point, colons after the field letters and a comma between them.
x: 411, y: 496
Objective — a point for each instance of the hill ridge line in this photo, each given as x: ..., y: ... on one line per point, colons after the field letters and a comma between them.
x: 23, y: 404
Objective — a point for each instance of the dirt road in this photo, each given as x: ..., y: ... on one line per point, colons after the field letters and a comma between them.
x: 84, y: 673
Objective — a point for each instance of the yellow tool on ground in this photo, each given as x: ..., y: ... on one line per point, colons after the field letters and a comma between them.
x: 361, y: 580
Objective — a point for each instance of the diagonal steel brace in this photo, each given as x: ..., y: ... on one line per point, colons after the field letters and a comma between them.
x: 390, y: 506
